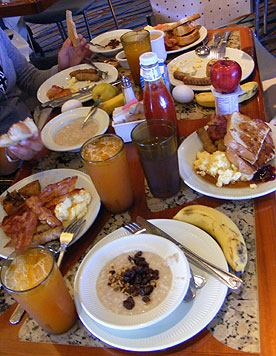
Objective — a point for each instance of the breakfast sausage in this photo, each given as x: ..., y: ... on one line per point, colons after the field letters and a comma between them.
x: 189, y: 80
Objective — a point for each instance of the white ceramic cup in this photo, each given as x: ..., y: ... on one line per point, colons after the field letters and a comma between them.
x: 157, y: 43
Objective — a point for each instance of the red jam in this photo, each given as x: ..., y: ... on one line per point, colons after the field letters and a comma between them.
x: 265, y: 174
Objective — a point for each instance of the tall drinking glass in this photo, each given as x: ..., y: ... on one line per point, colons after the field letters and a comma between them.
x: 105, y: 160
x: 156, y: 144
x: 32, y: 277
x: 135, y: 43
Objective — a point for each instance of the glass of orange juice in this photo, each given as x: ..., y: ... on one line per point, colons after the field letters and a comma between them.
x: 32, y: 277
x: 105, y: 160
x: 135, y: 43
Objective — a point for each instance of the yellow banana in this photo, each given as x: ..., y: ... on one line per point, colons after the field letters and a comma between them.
x: 207, y: 98
x: 222, y: 229
x: 115, y: 102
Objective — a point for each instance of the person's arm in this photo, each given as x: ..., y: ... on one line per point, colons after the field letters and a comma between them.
x: 7, y: 167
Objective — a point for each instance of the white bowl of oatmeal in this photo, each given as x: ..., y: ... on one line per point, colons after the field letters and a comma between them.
x: 64, y: 132
x: 123, y: 292
x: 108, y: 44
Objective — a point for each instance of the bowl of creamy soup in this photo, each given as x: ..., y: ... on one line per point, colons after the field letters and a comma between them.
x: 133, y: 281
x: 65, y: 132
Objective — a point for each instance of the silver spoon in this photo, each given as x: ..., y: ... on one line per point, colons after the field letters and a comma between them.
x: 198, y: 281
x: 203, y: 50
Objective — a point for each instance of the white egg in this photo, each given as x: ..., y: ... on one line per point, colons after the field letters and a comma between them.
x: 71, y: 104
x: 183, y: 93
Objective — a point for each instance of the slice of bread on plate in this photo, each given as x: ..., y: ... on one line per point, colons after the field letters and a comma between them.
x: 245, y: 136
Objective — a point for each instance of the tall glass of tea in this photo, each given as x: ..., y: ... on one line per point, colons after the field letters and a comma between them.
x: 155, y: 141
x: 32, y: 277
x: 104, y: 157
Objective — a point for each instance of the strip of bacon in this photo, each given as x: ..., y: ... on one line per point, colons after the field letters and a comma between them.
x: 44, y: 214
x: 60, y: 188
x: 20, y: 228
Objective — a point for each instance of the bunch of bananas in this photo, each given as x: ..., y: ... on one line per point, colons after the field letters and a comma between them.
x: 222, y: 229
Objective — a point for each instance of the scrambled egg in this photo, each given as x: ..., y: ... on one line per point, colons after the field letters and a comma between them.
x: 72, y: 207
x: 187, y: 67
x: 218, y: 166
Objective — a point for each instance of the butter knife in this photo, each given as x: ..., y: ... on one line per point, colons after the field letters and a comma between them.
x: 222, y: 47
x: 232, y: 281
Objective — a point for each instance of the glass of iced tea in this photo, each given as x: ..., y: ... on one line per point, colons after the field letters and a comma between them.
x: 156, y: 144
x: 105, y: 160
x: 135, y: 43
x: 32, y: 277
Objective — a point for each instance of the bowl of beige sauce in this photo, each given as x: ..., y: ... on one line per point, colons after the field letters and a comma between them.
x: 65, y: 132
x: 133, y: 281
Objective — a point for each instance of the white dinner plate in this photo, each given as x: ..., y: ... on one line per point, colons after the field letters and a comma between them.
x: 188, y: 319
x: 191, y: 59
x: 49, y: 131
x: 202, y: 33
x: 104, y: 38
x: 49, y: 177
x: 87, y: 277
x: 62, y: 78
x: 187, y: 152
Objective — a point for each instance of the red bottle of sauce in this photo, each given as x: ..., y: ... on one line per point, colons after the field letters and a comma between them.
x: 158, y: 102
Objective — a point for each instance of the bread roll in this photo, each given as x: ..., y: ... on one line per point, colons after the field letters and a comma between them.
x: 71, y: 28
x: 21, y: 130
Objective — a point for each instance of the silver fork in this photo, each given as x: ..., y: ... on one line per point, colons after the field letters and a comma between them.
x: 196, y: 281
x: 71, y: 231
x: 67, y: 235
x: 214, y: 48
x: 103, y: 74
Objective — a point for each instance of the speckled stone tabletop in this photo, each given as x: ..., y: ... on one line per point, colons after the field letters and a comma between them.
x: 236, y: 324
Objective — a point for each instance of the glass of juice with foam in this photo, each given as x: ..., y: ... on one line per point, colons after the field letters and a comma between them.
x: 135, y: 43
x: 32, y: 277
x: 105, y: 160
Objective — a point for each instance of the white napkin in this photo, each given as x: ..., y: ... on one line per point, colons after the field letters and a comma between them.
x: 40, y: 116
x: 132, y: 111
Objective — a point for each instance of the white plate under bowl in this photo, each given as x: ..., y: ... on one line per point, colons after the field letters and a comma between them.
x: 187, y: 152
x: 50, y: 177
x: 87, y: 276
x: 50, y: 130
x: 62, y: 78
x: 190, y: 59
x: 188, y: 319
x: 107, y: 36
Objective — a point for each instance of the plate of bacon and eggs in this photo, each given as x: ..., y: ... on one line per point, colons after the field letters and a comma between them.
x: 56, y: 185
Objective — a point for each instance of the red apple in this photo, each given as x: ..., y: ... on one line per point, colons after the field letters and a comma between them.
x: 225, y: 75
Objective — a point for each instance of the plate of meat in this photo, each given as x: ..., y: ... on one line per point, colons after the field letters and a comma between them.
x: 239, y: 170
x: 191, y: 70
x: 37, y: 208
x: 183, y: 34
x: 73, y: 79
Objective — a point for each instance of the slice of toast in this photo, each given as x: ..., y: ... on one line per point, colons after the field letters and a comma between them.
x: 184, y: 29
x: 71, y: 28
x: 245, y: 136
x: 189, y: 38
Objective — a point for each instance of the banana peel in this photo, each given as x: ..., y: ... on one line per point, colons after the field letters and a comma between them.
x: 109, y: 105
x: 207, y: 99
x: 222, y: 229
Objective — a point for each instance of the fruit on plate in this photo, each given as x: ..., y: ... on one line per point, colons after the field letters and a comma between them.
x: 104, y: 91
x: 207, y: 98
x: 225, y: 75
x: 222, y: 229
x: 115, y: 102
